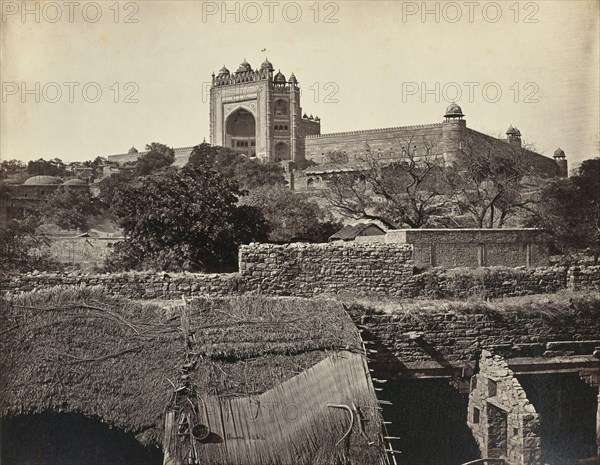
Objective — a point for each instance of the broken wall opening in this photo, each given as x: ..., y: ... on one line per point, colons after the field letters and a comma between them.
x: 567, y: 408
x: 430, y: 418
x: 504, y: 422
x: 69, y: 439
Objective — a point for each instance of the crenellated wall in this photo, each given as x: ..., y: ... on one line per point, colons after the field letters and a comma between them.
x: 385, y: 141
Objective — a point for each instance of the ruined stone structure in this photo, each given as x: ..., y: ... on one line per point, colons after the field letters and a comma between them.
x: 503, y: 421
x: 507, y: 362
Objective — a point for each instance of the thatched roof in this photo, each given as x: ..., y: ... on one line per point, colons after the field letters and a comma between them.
x: 81, y: 350
x: 351, y: 232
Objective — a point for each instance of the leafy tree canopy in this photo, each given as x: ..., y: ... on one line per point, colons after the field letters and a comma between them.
x: 158, y: 156
x: 249, y: 173
x: 41, y: 167
x: 570, y: 210
x: 22, y: 247
x: 11, y: 165
x: 69, y: 208
x: 184, y: 219
x: 291, y: 215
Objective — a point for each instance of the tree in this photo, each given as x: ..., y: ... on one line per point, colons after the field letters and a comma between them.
x: 184, y: 219
x: 11, y: 166
x: 22, y: 247
x: 492, y: 183
x: 404, y: 190
x: 69, y: 208
x: 158, y: 157
x: 290, y: 215
x: 249, y: 173
x: 41, y: 167
x: 203, y: 154
x: 569, y: 210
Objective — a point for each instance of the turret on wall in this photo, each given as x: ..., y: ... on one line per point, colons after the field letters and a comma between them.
x: 562, y: 168
x: 453, y: 130
x: 513, y: 137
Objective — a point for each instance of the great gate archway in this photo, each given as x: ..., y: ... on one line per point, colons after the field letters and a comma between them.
x: 240, y: 132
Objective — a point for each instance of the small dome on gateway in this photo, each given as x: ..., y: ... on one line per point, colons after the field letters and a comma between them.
x: 279, y: 78
x: 293, y: 79
x: 453, y: 111
x: 511, y: 131
x: 559, y: 153
x: 267, y: 65
x: 132, y: 150
x: 224, y: 71
x: 244, y: 67
x: 43, y: 181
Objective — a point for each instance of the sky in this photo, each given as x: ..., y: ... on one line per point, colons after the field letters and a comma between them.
x: 84, y: 79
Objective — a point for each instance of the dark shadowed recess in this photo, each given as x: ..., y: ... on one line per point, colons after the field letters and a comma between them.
x: 69, y: 439
x: 430, y: 417
x: 567, y: 408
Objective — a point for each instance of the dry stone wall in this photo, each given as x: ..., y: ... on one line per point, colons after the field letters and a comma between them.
x: 584, y: 278
x: 133, y: 285
x: 310, y: 269
x: 445, y: 337
x: 361, y: 268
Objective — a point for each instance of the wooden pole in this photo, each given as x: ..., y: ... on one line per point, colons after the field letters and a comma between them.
x: 598, y: 424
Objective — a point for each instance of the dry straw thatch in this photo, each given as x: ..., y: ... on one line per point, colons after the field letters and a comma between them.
x: 71, y: 349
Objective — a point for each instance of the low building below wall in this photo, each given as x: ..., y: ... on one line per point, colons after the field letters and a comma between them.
x: 452, y: 248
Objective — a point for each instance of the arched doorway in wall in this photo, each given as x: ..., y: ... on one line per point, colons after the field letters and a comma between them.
x: 240, y: 132
x: 70, y: 439
x: 282, y: 151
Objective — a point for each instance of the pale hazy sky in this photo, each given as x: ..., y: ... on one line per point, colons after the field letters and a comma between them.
x: 376, y: 60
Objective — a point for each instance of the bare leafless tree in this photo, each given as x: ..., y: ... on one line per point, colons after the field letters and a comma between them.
x: 492, y: 183
x: 401, y: 188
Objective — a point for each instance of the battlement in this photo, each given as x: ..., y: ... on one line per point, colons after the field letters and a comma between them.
x: 241, y: 78
x: 376, y: 131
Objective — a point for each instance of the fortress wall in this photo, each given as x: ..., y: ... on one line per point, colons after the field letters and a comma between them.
x: 379, y: 140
